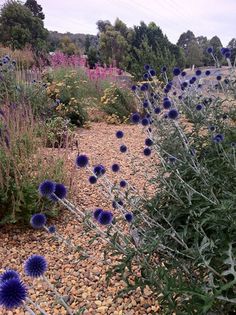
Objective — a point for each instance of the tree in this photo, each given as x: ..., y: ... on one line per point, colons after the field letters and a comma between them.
x: 232, y: 46
x: 18, y: 27
x: 35, y: 8
x: 185, y: 40
x: 68, y: 47
x: 216, y: 44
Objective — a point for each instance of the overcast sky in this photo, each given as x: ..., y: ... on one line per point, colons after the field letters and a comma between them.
x: 203, y: 17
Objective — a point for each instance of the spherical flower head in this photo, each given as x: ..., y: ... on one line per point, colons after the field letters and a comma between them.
x: 225, y: 51
x: 210, y: 50
x: 199, y: 107
x: 146, y: 67
x: 82, y: 160
x: 135, y: 118
x: 96, y: 213
x: 115, y: 168
x: 47, y: 188
x: 134, y: 88
x: 52, y: 229
x: 123, y: 148
x: 35, y: 266
x: 173, y: 113
x: 60, y: 192
x: 146, y: 76
x: 176, y: 71
x: 183, y: 73
x: 152, y: 72
x: 227, y: 54
x: 105, y: 218
x: 129, y: 217
x: 208, y: 72
x: 92, y: 179
x: 172, y: 159
x: 119, y: 134
x: 164, y: 69
x: 185, y: 84
x: 9, y: 274
x: 157, y: 110
x: 166, y: 103
x: 38, y: 220
x: 123, y: 183
x: 12, y: 293
x: 218, y: 138
x: 144, y: 87
x: 145, y: 104
x: 218, y: 78
x: 148, y: 142
x: 147, y: 151
x: 145, y: 121
x: 212, y: 128
x: 99, y: 170
x: 198, y: 72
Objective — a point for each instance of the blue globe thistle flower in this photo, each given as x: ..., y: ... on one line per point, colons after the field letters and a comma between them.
x: 152, y: 72
x: 129, y: 217
x: 227, y: 54
x: 185, y: 84
x: 218, y: 138
x: 219, y: 77
x: 145, y: 121
x: 92, y: 179
x: 123, y: 148
x: 183, y: 73
x: 166, y: 103
x: 163, y: 69
x: 97, y: 212
x: 144, y: 87
x: 146, y: 67
x: 198, y: 72
x: 208, y: 72
x: 233, y: 144
x: 212, y: 128
x: 35, y: 266
x: 169, y: 85
x: 60, y: 192
x: 210, y: 50
x: 115, y: 168
x: 199, y: 107
x: 147, y: 151
x: 105, y: 218
x: 176, y: 71
x: 172, y: 159
x: 180, y: 97
x: 157, y: 110
x: 38, y: 220
x: 123, y: 183
x: 173, y: 113
x: 134, y: 88
x: 9, y: 274
x: 225, y: 51
x: 148, y: 142
x: 52, y: 229
x: 145, y: 104
x: 99, y: 170
x: 166, y: 90
x: 135, y: 118
x: 174, y: 93
x: 192, y: 81
x: 146, y: 76
x: 119, y: 134
x: 13, y: 293
x: 47, y: 188
x: 82, y: 160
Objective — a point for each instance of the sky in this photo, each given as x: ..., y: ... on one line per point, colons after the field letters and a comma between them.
x: 203, y: 17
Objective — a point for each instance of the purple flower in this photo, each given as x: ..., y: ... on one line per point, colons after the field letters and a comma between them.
x: 105, y: 218
x: 12, y: 293
x: 47, y: 188
x: 115, y: 168
x: 35, y: 266
x: 173, y: 113
x: 123, y: 183
x: 38, y: 220
x: 123, y: 148
x: 129, y: 217
x: 96, y: 213
x: 92, y: 179
x: 81, y: 160
x: 119, y: 134
x: 9, y: 274
x: 60, y: 192
x: 147, y: 151
x: 135, y: 118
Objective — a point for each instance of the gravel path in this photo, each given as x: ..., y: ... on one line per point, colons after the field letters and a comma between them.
x: 82, y: 282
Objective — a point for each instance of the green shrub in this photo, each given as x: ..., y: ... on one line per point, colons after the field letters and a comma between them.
x: 118, y: 101
x: 71, y: 90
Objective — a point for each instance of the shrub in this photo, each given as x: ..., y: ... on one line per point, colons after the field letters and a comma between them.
x: 22, y: 167
x: 117, y: 101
